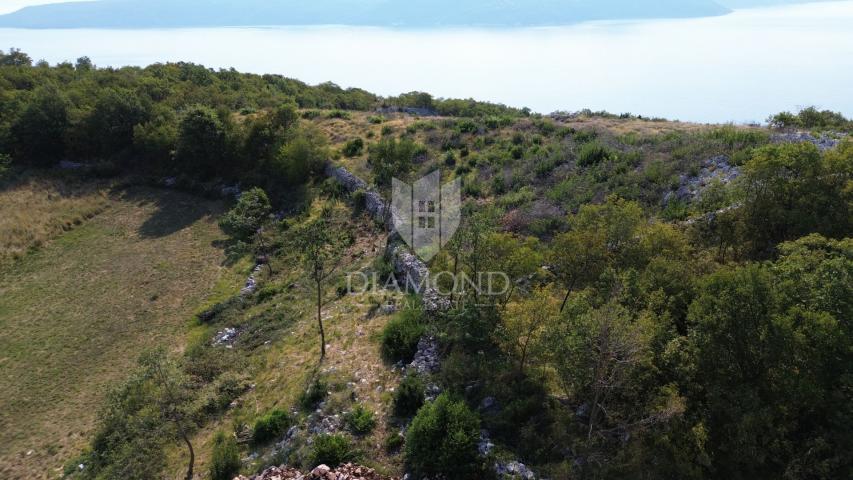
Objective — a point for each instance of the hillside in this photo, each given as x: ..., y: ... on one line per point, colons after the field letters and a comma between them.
x: 623, y: 294
x: 76, y: 312
x: 404, y: 13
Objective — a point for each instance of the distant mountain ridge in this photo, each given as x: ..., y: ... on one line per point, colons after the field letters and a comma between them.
x: 404, y: 13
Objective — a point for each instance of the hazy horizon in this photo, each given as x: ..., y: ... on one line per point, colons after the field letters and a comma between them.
x: 740, y: 67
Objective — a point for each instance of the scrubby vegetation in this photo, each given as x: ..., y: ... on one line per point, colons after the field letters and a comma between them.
x: 676, y: 296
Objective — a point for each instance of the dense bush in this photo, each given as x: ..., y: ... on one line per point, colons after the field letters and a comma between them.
x: 442, y: 440
x: 248, y: 215
x: 271, y: 426
x: 401, y: 335
x: 391, y: 158
x: 314, y: 394
x: 225, y: 460
x: 409, y: 396
x: 811, y: 117
x: 354, y: 147
x: 331, y: 450
x: 593, y: 153
x: 360, y: 421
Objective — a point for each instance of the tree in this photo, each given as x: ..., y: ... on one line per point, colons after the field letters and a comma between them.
x: 773, y: 358
x: 172, y: 397
x: 390, y: 158
x: 150, y: 409
x: 38, y: 134
x: 320, y: 248
x: 518, y: 258
x: 15, y: 58
x: 524, y: 324
x: 601, y: 236
x: 577, y: 258
x: 596, y: 355
x: 791, y: 190
x: 301, y: 158
x: 201, y: 142
x: 110, y: 126
x: 442, y: 440
x: 248, y: 215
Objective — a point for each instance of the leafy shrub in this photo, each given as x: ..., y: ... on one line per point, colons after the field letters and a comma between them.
x: 376, y: 119
x: 409, y: 396
x: 270, y: 426
x: 248, y: 215
x: 354, y: 147
x: 450, y: 159
x: 360, y: 421
x: 442, y: 440
x: 401, y: 335
x: 466, y: 126
x: 340, y: 114
x: 593, y: 153
x: 394, y: 442
x: 390, y: 158
x: 331, y: 450
x: 314, y: 394
x: 225, y: 459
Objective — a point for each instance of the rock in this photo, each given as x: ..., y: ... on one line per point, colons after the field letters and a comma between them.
x: 226, y: 337
x: 489, y: 406
x: 485, y: 446
x: 426, y: 359
x: 418, y: 112
x: 321, y: 471
x: 715, y: 169
x: 823, y: 143
x: 515, y: 470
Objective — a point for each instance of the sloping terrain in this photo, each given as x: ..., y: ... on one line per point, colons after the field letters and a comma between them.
x: 75, y: 314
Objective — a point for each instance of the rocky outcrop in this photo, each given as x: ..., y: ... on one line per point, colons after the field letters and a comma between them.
x: 347, y: 471
x: 419, y: 112
x: 715, y: 169
x: 823, y: 142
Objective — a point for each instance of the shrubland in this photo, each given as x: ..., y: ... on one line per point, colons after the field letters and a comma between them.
x: 645, y: 328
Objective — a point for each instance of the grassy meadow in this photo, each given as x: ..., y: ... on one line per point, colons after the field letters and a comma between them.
x: 116, y: 272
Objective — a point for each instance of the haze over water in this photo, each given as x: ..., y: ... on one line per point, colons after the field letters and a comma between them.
x: 739, y: 67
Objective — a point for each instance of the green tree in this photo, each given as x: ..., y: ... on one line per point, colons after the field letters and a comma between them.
x: 524, y: 325
x: 249, y: 214
x: 201, y: 142
x: 15, y: 58
x: 791, y: 190
x: 110, y: 125
x: 773, y: 360
x: 442, y: 440
x: 390, y: 158
x: 320, y: 247
x: 38, y: 134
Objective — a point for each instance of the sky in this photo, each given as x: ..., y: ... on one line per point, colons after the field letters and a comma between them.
x: 8, y: 6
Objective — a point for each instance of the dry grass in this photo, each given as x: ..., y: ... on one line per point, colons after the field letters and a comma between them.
x: 282, y: 369
x: 34, y: 210
x: 75, y: 314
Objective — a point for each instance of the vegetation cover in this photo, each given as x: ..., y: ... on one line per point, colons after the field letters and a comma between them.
x: 678, y: 300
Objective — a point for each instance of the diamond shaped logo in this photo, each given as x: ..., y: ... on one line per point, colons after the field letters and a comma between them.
x: 426, y: 214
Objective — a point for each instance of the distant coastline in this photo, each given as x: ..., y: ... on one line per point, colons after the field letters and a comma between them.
x: 141, y: 14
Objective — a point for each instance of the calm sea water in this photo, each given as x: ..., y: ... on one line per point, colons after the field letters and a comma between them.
x: 740, y: 67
